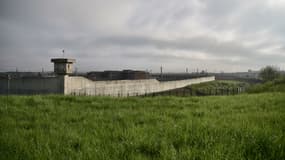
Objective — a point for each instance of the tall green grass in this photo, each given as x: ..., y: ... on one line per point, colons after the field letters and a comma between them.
x: 277, y: 85
x: 64, y: 127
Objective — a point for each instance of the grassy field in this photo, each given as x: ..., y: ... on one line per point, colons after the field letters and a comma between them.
x: 219, y: 127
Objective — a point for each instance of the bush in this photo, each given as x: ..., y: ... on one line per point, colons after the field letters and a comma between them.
x: 269, y: 73
x: 277, y: 85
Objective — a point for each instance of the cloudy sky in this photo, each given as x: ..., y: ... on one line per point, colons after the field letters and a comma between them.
x: 217, y: 35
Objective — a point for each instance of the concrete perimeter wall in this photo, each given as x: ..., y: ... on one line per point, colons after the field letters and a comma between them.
x: 84, y: 86
x: 51, y: 85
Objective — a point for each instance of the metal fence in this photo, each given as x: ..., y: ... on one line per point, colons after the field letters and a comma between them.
x: 201, y: 92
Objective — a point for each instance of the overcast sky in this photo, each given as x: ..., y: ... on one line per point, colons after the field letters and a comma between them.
x: 215, y: 35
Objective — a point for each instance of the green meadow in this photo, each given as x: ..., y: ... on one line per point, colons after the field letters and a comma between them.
x: 246, y: 126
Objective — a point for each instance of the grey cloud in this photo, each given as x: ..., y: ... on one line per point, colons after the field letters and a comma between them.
x: 221, y: 8
x: 161, y: 12
x: 203, y: 44
x: 211, y: 46
x: 138, y: 33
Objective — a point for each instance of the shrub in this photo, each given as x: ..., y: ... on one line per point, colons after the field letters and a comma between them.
x: 269, y: 73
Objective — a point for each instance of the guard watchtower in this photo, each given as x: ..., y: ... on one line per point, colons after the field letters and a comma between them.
x: 63, y: 66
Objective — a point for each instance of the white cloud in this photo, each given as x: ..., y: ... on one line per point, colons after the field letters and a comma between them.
x: 276, y: 3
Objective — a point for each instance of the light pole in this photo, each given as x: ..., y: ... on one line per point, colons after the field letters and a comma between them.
x: 8, y: 88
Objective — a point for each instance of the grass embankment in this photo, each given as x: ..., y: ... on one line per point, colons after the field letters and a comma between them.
x: 220, y: 84
x: 218, y: 87
x: 277, y: 85
x: 222, y: 127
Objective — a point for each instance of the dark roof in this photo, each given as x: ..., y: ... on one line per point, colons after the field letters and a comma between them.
x: 62, y: 60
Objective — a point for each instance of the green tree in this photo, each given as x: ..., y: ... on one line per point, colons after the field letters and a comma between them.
x: 269, y: 73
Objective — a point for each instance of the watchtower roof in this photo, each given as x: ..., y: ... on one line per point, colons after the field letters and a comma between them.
x: 62, y: 60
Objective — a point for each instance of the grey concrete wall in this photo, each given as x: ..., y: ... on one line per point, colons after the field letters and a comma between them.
x: 84, y: 86
x: 52, y: 85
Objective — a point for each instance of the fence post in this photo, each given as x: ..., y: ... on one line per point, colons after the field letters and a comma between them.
x: 8, y: 89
